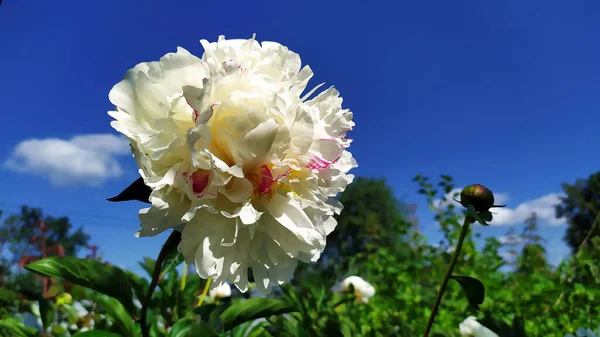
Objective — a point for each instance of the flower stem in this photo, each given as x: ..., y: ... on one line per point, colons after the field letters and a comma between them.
x: 184, y: 277
x: 463, y: 233
x: 204, y: 292
x: 155, y: 278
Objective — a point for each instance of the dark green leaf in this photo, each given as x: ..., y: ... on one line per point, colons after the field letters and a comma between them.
x: 88, y: 273
x: 333, y: 328
x: 518, y: 327
x: 112, y: 307
x: 498, y: 326
x: 211, y: 314
x: 181, y: 328
x: 189, y: 328
x: 254, y: 308
x: 47, y: 311
x: 274, y: 330
x: 155, y: 331
x: 148, y: 264
x: 136, y: 191
x: 139, y: 284
x: 96, y: 333
x: 474, y: 215
x: 486, y: 216
x: 473, y: 288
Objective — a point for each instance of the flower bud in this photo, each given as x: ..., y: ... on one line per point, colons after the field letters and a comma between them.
x: 479, y: 196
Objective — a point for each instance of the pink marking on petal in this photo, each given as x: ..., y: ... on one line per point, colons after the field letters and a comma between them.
x: 266, y: 180
x: 283, y: 175
x: 199, y: 180
x: 263, y: 180
x: 317, y: 163
x: 196, y: 115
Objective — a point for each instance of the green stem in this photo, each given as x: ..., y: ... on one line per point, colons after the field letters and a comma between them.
x: 204, y: 292
x: 155, y: 278
x: 463, y: 233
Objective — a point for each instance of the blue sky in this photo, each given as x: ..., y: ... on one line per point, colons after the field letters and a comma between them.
x: 502, y: 93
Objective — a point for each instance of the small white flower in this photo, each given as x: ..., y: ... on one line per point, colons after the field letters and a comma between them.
x: 222, y: 291
x: 363, y: 290
x: 81, y: 310
x: 471, y: 327
x: 233, y: 149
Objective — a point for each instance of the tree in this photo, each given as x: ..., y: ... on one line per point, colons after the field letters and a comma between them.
x: 533, y: 255
x: 30, y: 235
x: 23, y: 232
x: 372, y: 218
x: 580, y: 207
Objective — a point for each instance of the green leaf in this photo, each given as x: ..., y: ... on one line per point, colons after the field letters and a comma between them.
x: 148, y: 264
x: 58, y: 330
x: 14, y: 328
x: 333, y: 328
x: 96, y: 333
x: 189, y: 328
x: 486, y: 216
x: 498, y: 326
x: 211, y: 314
x: 252, y: 309
x: 473, y: 288
x: 518, y: 327
x: 47, y: 311
x: 136, y: 191
x: 88, y: 273
x: 473, y: 214
x: 115, y: 309
x: 140, y: 285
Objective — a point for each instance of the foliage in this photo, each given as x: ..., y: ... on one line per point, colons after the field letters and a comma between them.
x: 522, y: 294
x: 580, y: 207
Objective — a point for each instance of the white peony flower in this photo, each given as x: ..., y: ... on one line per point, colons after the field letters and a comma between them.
x: 222, y: 291
x: 363, y: 290
x: 471, y: 327
x: 232, y: 150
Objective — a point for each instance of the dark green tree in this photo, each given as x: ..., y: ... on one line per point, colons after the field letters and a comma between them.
x: 580, y: 207
x: 22, y: 233
x: 372, y: 218
x: 533, y: 255
x: 31, y: 235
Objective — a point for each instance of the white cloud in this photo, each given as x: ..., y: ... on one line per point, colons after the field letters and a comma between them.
x: 510, y: 239
x: 85, y: 159
x: 507, y: 257
x: 543, y: 207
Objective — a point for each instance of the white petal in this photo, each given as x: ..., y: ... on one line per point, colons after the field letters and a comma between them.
x: 205, y: 261
x: 259, y: 141
x: 249, y: 215
x: 261, y: 278
x: 238, y: 190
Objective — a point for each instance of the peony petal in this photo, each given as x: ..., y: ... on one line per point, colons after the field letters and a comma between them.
x: 261, y: 278
x: 259, y: 141
x: 238, y: 190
